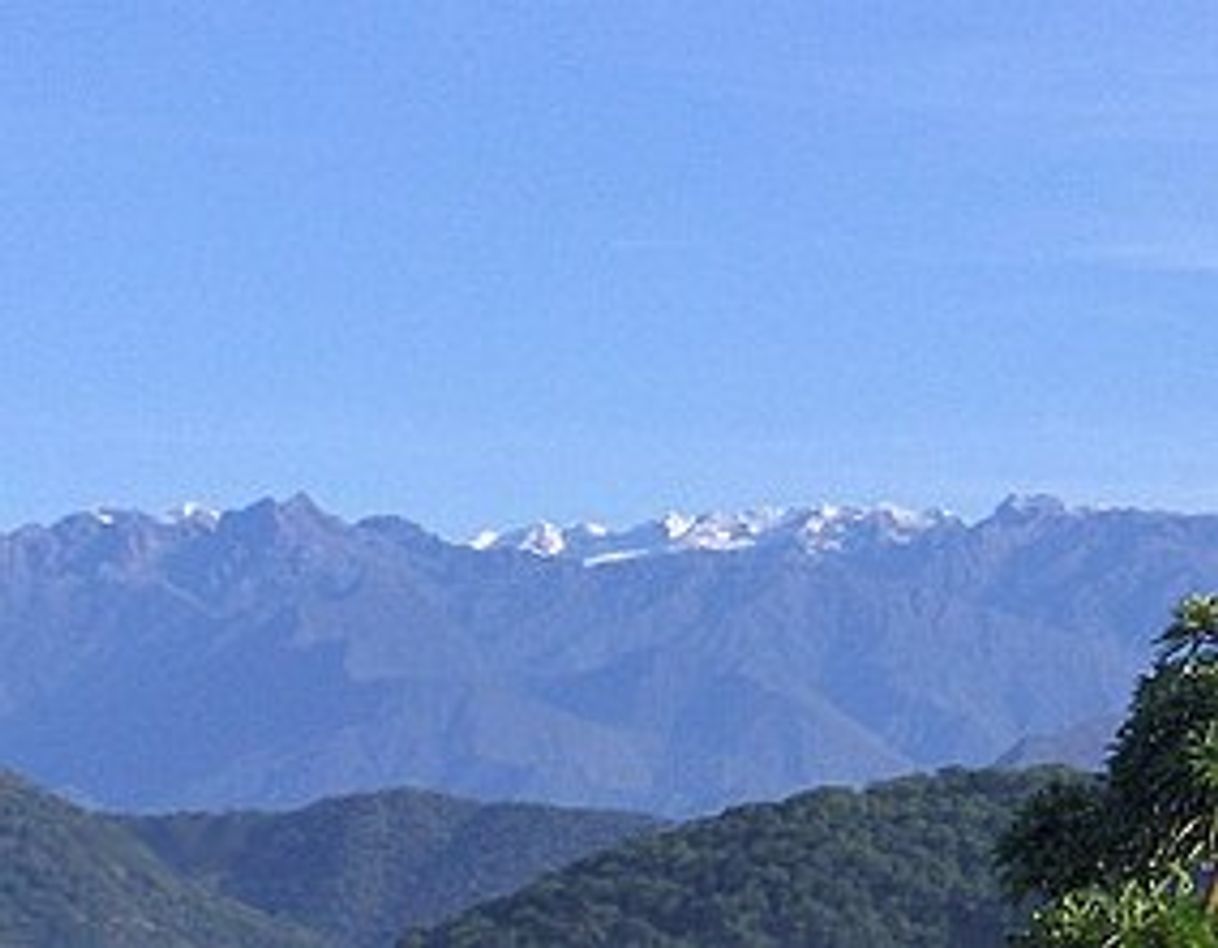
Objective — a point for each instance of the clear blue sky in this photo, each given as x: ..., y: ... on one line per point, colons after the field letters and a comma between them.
x: 484, y: 262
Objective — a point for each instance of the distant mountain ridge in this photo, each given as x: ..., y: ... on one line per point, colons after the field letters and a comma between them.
x: 276, y: 654
x: 1083, y: 746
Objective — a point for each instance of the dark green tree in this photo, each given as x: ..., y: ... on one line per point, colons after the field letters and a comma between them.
x: 1057, y: 840
x: 1129, y: 859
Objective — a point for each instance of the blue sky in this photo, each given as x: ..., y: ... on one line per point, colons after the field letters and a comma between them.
x: 481, y: 263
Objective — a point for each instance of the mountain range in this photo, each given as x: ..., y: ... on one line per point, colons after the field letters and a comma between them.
x: 275, y: 654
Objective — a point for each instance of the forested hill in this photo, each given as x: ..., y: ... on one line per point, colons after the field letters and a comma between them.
x: 904, y: 864
x: 359, y: 869
x: 71, y: 878
x: 343, y: 873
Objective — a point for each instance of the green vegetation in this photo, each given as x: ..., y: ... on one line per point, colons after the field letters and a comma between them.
x: 71, y: 879
x: 904, y: 864
x: 1130, y: 859
x: 349, y: 871
x: 362, y: 868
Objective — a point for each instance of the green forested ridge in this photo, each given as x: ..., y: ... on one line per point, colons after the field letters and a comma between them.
x: 343, y: 873
x: 903, y: 864
x: 360, y: 869
x: 70, y: 879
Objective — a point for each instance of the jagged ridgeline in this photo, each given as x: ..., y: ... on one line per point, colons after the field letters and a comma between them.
x: 904, y: 864
x: 274, y: 655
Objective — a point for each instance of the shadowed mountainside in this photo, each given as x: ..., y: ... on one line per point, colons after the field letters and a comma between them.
x: 277, y: 654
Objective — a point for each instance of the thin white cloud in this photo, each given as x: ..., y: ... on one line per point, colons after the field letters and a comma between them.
x: 1166, y: 257
x: 1024, y: 88
x: 644, y: 244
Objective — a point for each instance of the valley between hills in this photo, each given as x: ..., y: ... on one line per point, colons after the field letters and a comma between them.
x: 904, y: 863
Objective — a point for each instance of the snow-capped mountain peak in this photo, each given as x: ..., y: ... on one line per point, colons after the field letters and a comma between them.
x: 485, y: 540
x: 192, y: 511
x: 676, y: 524
x: 106, y: 516
x: 544, y: 539
x: 815, y: 530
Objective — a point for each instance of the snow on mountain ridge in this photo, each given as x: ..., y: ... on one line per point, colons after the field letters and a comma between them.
x: 820, y: 529
x: 194, y: 512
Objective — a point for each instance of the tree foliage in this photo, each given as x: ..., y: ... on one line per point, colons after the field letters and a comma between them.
x: 1129, y: 859
x: 1135, y: 913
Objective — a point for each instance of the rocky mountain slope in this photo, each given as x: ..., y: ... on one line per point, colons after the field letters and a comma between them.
x: 275, y: 654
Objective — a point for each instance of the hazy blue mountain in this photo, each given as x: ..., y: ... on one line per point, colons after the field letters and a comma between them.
x: 1082, y: 746
x: 272, y: 655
